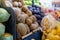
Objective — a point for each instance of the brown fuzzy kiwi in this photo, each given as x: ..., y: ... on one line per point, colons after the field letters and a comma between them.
x: 29, y: 12
x: 34, y: 26
x: 33, y: 18
x: 20, y: 19
x: 17, y: 10
x: 25, y: 15
x: 28, y: 29
x: 21, y: 28
x: 15, y: 4
x: 28, y: 21
x: 24, y: 8
x: 36, y: 23
x: 22, y: 2
x: 19, y: 4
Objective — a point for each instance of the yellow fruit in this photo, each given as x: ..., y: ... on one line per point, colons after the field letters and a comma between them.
x: 58, y: 13
x: 58, y: 32
x: 48, y: 30
x: 50, y: 36
x: 43, y: 37
x: 46, y: 39
x: 53, y: 31
x: 58, y: 28
x: 7, y: 34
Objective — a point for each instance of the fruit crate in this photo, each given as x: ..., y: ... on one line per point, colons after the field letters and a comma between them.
x: 11, y: 23
x: 36, y: 34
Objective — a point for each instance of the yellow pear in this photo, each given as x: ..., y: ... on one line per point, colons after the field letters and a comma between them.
x: 43, y: 37
x: 53, y: 31
x: 58, y: 32
x: 58, y: 28
x: 50, y: 36
x: 46, y: 39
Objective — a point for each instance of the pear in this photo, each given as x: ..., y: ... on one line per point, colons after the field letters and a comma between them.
x: 58, y: 28
x: 53, y: 31
x: 51, y: 36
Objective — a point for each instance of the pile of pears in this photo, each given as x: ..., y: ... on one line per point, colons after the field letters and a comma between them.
x: 53, y: 34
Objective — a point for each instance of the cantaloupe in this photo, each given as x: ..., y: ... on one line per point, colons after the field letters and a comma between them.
x: 4, y: 15
x: 2, y: 29
x: 21, y: 28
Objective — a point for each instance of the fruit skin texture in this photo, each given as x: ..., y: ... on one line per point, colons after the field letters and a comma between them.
x: 7, y: 36
x: 26, y: 10
x: 51, y: 36
x: 33, y: 18
x: 21, y: 28
x: 58, y: 28
x: 54, y: 31
x: 28, y: 30
x: 34, y: 26
x: 28, y: 21
x: 4, y: 15
x: 2, y: 29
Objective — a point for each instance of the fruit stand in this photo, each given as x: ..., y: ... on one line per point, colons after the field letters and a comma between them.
x: 28, y: 20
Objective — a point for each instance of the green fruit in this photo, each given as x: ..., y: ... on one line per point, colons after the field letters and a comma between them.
x: 7, y: 36
x: 2, y: 29
x: 4, y: 15
x: 28, y: 2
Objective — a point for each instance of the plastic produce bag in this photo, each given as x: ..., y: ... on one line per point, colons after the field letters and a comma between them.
x: 48, y: 22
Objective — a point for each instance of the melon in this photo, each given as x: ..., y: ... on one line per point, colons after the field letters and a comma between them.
x: 2, y: 29
x: 4, y: 15
x: 7, y: 36
x: 21, y: 28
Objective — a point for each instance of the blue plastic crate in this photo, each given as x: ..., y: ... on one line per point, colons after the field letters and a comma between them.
x: 36, y: 35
